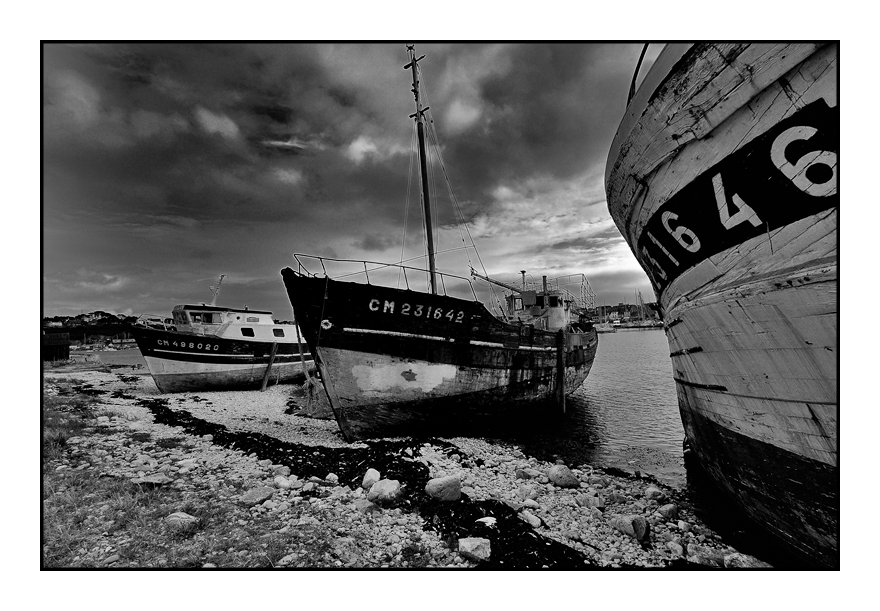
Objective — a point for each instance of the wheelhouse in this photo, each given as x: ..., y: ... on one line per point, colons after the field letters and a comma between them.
x: 230, y: 323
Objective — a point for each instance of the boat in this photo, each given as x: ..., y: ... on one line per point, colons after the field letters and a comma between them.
x: 402, y: 362
x: 722, y: 178
x: 209, y: 347
x: 604, y: 327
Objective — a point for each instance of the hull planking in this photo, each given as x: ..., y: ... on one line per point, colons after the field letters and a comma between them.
x: 723, y: 180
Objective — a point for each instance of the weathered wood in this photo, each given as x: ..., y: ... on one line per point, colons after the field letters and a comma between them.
x: 333, y: 398
x: 269, y: 366
x: 708, y: 184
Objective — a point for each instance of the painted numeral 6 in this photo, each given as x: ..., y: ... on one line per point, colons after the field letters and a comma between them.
x: 692, y: 243
x: 797, y: 172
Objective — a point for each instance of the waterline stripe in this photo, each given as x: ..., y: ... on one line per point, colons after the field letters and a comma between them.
x: 399, y: 334
x: 473, y: 342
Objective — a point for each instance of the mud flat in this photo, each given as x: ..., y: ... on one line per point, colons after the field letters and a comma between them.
x: 244, y: 479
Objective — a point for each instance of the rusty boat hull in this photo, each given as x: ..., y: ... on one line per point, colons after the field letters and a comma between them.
x: 722, y: 178
x: 400, y: 362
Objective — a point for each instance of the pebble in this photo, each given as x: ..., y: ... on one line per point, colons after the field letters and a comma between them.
x: 475, y: 548
x: 444, y: 488
x: 371, y: 477
x: 562, y: 476
x: 532, y: 520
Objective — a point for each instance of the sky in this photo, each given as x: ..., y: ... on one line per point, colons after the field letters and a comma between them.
x: 166, y: 165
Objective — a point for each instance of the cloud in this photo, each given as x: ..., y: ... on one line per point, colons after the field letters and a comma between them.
x: 214, y: 123
x: 147, y: 124
x: 461, y: 116
x: 138, y: 170
x: 106, y: 283
x: 360, y: 148
x: 289, y: 176
x: 376, y: 242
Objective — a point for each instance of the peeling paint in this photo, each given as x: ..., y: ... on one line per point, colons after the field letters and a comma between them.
x: 409, y: 376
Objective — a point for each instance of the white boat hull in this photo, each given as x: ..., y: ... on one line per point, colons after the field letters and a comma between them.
x: 723, y: 180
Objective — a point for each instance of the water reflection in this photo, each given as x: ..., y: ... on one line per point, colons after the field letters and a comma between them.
x: 625, y: 415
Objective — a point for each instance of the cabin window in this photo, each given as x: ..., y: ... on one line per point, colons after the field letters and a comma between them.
x: 517, y: 303
x: 196, y: 317
x: 554, y: 301
x: 253, y: 319
x: 539, y: 301
x: 278, y: 332
x: 247, y: 332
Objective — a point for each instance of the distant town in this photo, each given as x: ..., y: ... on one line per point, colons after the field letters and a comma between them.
x: 102, y: 327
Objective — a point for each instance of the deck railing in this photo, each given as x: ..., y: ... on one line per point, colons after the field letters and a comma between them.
x: 377, y: 266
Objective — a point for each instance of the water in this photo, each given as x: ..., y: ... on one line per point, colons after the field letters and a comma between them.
x: 625, y: 415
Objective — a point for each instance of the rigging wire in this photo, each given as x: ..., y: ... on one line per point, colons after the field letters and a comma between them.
x: 435, y: 141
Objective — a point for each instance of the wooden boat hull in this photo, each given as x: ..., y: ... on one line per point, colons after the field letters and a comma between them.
x: 723, y: 180
x: 393, y: 366
x: 183, y: 362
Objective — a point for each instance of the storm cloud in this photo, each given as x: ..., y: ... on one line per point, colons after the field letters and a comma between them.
x: 165, y: 165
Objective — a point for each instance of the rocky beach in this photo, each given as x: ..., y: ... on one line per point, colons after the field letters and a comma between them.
x: 253, y: 479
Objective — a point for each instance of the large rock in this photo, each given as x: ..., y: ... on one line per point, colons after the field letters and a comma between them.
x: 744, y: 561
x: 256, y: 496
x: 634, y: 526
x: 526, y: 492
x: 281, y: 482
x: 533, y: 520
x: 562, y: 476
x: 676, y: 549
x: 444, y: 488
x: 384, y: 492
x: 370, y: 478
x: 655, y: 494
x: 707, y: 556
x: 586, y: 500
x: 182, y: 521
x: 669, y: 512
x: 475, y: 548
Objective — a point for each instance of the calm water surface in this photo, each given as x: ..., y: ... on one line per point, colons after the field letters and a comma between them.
x: 625, y: 415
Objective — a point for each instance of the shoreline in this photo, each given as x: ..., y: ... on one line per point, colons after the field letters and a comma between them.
x: 226, y: 449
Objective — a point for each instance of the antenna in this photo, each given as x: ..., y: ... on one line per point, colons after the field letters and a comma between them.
x: 216, y: 289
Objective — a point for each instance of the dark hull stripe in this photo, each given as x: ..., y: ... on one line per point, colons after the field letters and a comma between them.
x: 797, y: 501
x: 215, y: 350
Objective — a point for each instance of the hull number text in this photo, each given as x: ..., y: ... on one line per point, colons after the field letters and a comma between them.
x: 782, y: 176
x: 417, y: 310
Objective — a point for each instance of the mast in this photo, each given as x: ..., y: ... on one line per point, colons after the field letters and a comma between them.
x: 423, y: 164
x: 216, y: 289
